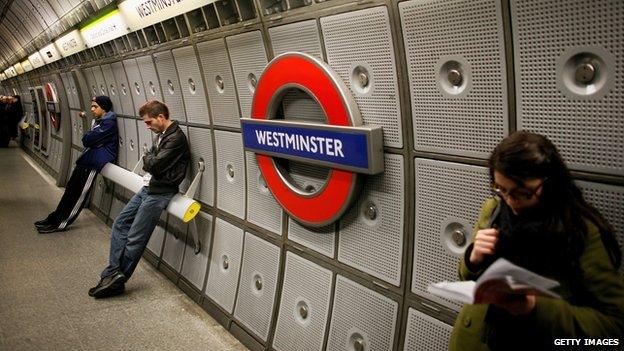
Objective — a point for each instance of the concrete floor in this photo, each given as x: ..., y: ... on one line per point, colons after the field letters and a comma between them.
x: 44, y: 280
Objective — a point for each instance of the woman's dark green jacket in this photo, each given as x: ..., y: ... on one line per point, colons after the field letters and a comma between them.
x: 597, y: 310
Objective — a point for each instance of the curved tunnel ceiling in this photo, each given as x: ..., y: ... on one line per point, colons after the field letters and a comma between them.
x: 28, y: 25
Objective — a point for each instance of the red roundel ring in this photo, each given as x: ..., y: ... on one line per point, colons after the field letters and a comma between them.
x: 298, y: 70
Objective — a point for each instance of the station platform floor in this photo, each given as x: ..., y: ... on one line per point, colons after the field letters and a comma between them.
x: 44, y: 279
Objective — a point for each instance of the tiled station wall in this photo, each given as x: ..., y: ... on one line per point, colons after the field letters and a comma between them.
x: 359, y: 284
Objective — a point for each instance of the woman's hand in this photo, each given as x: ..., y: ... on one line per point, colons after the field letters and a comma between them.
x: 517, y: 304
x: 484, y: 245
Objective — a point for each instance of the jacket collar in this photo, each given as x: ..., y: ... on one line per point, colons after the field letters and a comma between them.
x: 172, y: 128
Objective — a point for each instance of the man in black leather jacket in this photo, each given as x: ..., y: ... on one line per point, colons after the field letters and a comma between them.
x: 166, y: 164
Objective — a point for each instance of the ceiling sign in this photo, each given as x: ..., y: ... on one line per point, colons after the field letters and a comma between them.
x: 27, y: 66
x: 343, y: 144
x: 105, y: 28
x: 36, y: 60
x: 2, y: 76
x: 50, y: 53
x: 142, y: 13
x: 70, y: 43
x: 18, y: 68
x: 10, y: 72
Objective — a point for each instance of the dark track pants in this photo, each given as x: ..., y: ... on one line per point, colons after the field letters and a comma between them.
x: 75, y: 197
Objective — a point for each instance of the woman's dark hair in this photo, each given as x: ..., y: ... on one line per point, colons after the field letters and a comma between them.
x: 525, y: 155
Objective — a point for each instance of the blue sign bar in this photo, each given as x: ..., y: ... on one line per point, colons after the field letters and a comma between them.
x: 337, y: 147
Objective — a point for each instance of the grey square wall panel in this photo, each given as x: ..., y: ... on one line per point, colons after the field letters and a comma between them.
x: 258, y: 284
x: 425, y: 333
x: 127, y: 106
x: 175, y: 243
x: 361, y: 316
x: 457, y: 75
x: 121, y: 156
x: 609, y: 200
x: 299, y: 36
x: 217, y: 69
x: 225, y: 263
x: 131, y: 142
x: 249, y: 59
x: 201, y: 149
x: 151, y: 84
x: 192, y: 85
x: 448, y: 202
x: 170, y: 84
x: 262, y: 209
x: 359, y: 48
x: 113, y: 87
x: 304, y: 307
x: 101, y: 88
x: 371, y: 234
x: 137, y: 91
x: 569, y: 78
x: 230, y: 172
x: 321, y: 240
x: 195, y: 264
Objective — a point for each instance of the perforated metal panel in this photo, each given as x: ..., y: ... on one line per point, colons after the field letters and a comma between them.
x: 121, y: 156
x: 225, y: 261
x: 249, y: 59
x: 137, y: 91
x: 359, y: 44
x: 71, y: 102
x: 194, y: 265
x: 90, y: 80
x: 201, y: 148
x: 75, y: 122
x: 456, y: 68
x: 425, y: 333
x: 155, y: 244
x: 219, y: 82
x: 189, y: 175
x: 101, y: 87
x: 262, y: 208
x: 371, y: 233
x: 361, y: 315
x: 131, y: 142
x: 304, y: 307
x: 318, y: 239
x: 173, y: 250
x: 230, y: 171
x: 192, y: 85
x: 258, y: 282
x: 98, y: 189
x: 170, y: 84
x: 582, y: 115
x: 448, y: 198
x: 113, y: 87
x: 151, y: 84
x: 146, y: 138
x: 300, y: 36
x: 609, y: 200
x: 124, y: 91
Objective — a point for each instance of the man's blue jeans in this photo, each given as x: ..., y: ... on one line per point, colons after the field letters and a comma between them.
x: 132, y: 230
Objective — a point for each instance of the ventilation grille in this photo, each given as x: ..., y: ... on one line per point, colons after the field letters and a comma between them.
x: 134, y: 79
x: 262, y: 208
x: 201, y: 147
x: 372, y: 241
x: 114, y: 91
x: 170, y: 84
x: 223, y: 278
x: 589, y: 132
x: 248, y: 58
x: 131, y: 142
x: 306, y: 293
x: 360, y: 313
x: 425, y: 333
x: 445, y: 192
x: 470, y: 123
x: 363, y: 39
x: 216, y: 66
x: 127, y: 107
x: 299, y: 36
x: 192, y: 85
x: 230, y: 187
x: 148, y: 72
x: 254, y: 306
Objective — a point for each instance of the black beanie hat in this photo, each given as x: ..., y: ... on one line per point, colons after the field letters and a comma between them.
x: 104, y: 102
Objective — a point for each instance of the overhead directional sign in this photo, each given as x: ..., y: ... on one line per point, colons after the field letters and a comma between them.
x: 70, y: 43
x: 109, y: 26
x: 26, y: 66
x: 142, y: 13
x: 342, y: 144
x: 36, y: 60
x: 49, y: 53
x: 18, y: 68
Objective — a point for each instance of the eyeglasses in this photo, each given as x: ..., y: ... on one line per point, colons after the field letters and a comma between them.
x: 520, y: 193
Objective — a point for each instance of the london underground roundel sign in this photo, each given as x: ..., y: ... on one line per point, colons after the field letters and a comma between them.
x: 342, y: 143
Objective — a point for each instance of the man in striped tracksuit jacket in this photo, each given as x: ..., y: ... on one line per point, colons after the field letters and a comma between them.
x: 101, y: 144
